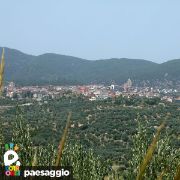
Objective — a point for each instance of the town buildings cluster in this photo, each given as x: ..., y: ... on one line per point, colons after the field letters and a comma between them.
x: 92, y: 92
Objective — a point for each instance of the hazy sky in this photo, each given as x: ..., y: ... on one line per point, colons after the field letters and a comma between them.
x: 93, y: 29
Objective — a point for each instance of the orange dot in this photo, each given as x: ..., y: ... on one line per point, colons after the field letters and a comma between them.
x: 16, y: 148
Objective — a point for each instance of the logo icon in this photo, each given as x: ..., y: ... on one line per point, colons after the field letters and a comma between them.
x: 11, y: 160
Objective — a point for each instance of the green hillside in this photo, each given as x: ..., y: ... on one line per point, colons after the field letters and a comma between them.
x: 60, y: 69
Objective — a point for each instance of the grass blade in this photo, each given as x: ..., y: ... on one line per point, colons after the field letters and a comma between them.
x: 177, y: 176
x: 62, y: 141
x: 34, y: 162
x: 160, y: 177
x: 149, y: 153
x: 2, y: 71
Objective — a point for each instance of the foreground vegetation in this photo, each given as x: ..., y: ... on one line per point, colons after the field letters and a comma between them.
x: 121, y: 136
x: 105, y: 126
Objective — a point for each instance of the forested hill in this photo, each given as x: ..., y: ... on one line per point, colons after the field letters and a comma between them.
x: 60, y: 69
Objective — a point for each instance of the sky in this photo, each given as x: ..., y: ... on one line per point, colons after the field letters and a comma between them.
x: 93, y: 29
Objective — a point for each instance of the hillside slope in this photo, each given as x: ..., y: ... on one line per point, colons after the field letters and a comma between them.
x: 60, y: 69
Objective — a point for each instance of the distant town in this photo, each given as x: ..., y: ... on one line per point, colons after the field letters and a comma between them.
x: 92, y: 92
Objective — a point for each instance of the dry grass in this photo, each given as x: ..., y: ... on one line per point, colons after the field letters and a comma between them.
x: 34, y: 162
x: 2, y: 71
x: 177, y: 176
x: 160, y: 177
x: 149, y: 153
x: 62, y: 141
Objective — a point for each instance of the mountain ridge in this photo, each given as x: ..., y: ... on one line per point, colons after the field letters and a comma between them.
x: 51, y: 68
